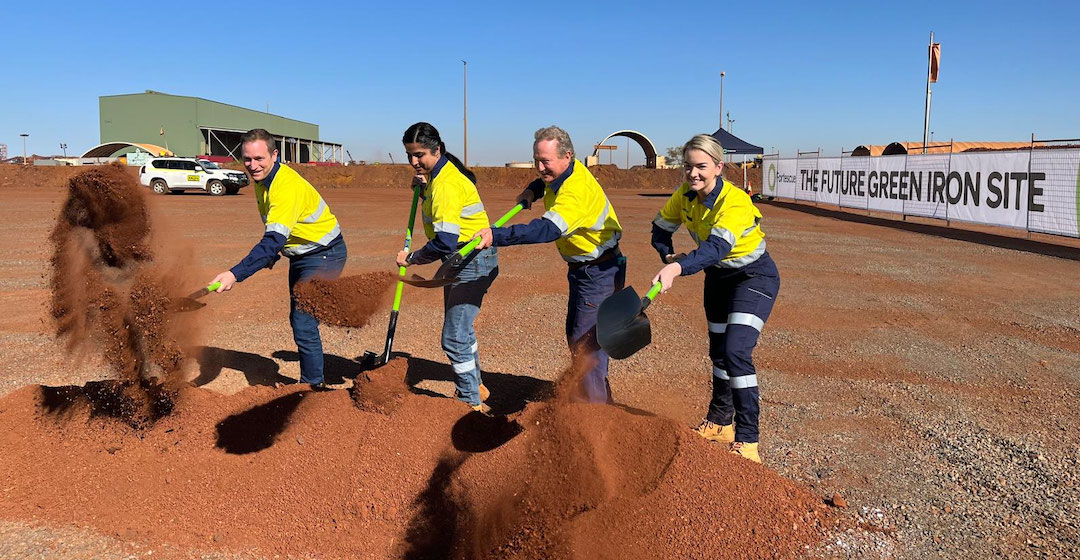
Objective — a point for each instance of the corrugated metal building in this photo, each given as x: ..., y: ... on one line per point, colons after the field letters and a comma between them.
x: 192, y: 126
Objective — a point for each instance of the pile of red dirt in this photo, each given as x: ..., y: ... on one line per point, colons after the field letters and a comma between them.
x: 349, y: 301
x: 309, y: 474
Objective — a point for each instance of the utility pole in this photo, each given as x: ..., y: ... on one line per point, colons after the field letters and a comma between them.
x: 465, y: 108
x: 24, y: 135
x: 63, y: 146
x: 730, y: 121
x: 721, y: 99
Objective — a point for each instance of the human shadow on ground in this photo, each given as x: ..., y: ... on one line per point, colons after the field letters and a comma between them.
x: 257, y: 428
x: 509, y: 392
x: 979, y: 237
x: 258, y: 370
x: 335, y: 368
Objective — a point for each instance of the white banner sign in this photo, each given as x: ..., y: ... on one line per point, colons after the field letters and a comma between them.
x: 1037, y: 190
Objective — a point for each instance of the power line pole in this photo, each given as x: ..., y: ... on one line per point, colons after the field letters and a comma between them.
x: 465, y: 107
x: 721, y: 99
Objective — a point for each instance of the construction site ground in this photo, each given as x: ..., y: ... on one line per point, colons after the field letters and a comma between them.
x: 924, y: 379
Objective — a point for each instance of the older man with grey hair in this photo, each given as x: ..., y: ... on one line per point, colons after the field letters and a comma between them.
x: 582, y: 223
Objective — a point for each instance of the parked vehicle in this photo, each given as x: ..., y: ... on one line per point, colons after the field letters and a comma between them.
x: 173, y: 174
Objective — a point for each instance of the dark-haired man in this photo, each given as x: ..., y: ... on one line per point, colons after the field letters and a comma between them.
x: 299, y: 225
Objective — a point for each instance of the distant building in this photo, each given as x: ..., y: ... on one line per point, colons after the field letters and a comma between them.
x: 192, y: 126
x: 3, y: 152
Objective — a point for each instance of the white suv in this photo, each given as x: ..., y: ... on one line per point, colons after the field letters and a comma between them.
x: 165, y: 175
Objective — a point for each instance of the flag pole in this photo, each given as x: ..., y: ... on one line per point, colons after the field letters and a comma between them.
x: 926, y: 113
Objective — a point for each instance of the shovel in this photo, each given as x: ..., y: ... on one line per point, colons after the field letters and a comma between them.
x: 448, y: 273
x: 621, y: 325
x: 191, y: 302
x: 369, y: 360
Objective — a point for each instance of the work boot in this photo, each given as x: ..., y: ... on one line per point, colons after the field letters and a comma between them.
x: 484, y: 393
x: 482, y: 409
x: 746, y: 450
x: 715, y: 432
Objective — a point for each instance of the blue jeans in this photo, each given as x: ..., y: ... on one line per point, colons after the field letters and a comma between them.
x: 461, y: 305
x: 737, y: 304
x: 590, y: 285
x: 325, y: 263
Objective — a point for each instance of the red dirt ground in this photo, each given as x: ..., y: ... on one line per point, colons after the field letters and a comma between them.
x: 927, y: 376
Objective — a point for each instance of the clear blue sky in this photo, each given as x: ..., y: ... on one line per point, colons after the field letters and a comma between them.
x: 799, y: 75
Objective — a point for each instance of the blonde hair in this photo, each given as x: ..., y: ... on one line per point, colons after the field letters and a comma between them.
x: 705, y: 143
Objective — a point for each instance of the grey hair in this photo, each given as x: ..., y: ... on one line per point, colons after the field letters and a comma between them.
x: 559, y: 135
x: 706, y: 143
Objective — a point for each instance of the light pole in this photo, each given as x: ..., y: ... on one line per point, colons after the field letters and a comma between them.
x: 730, y: 121
x: 63, y: 146
x: 721, y: 99
x: 465, y: 108
x: 24, y: 135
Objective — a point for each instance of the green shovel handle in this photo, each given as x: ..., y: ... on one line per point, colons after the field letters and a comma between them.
x: 650, y: 295
x: 213, y: 287
x: 498, y: 223
x: 408, y: 243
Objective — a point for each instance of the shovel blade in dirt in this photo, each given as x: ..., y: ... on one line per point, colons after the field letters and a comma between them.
x: 450, y: 269
x: 191, y: 302
x: 622, y: 328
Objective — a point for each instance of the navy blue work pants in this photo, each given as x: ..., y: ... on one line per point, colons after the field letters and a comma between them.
x: 323, y: 263
x: 737, y: 304
x: 590, y: 285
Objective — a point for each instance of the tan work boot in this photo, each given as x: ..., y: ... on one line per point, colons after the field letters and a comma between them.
x: 746, y: 450
x: 716, y: 432
x: 482, y: 409
x: 484, y: 393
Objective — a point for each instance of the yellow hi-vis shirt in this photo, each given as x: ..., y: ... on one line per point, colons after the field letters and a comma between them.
x: 451, y: 204
x: 583, y: 214
x: 727, y: 213
x: 292, y: 207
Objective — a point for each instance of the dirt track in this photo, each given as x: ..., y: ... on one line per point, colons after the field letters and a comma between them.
x: 932, y: 382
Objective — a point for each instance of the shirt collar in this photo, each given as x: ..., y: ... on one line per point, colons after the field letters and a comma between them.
x: 270, y: 176
x: 554, y: 186
x: 438, y: 166
x: 710, y: 200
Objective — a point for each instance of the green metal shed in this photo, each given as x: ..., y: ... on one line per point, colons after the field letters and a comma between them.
x: 192, y: 126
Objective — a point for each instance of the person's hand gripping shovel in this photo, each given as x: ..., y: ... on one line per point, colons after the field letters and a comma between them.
x: 450, y: 269
x: 191, y: 302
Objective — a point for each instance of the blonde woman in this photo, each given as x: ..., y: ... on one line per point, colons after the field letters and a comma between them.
x: 741, y: 284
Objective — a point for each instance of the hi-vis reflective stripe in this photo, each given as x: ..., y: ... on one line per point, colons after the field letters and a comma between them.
x: 554, y: 217
x: 314, y: 217
x: 747, y: 319
x: 724, y: 234
x: 599, y: 225
x: 664, y: 224
x: 743, y: 260
x: 277, y: 228
x: 472, y: 209
x: 595, y: 253
x: 717, y: 327
x: 743, y: 382
x: 309, y: 247
x: 447, y: 227
x: 717, y: 372
x: 465, y: 367
x: 475, y: 346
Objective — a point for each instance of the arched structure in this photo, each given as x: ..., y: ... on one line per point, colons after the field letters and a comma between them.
x: 115, y: 149
x: 643, y: 141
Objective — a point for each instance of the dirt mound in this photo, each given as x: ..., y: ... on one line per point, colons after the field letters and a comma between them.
x: 348, y: 301
x: 108, y: 295
x: 381, y: 390
x: 294, y: 472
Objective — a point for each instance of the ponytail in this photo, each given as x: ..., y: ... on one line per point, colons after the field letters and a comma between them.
x: 427, y: 136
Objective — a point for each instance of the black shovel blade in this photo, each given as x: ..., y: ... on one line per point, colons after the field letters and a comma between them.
x: 621, y: 326
x: 446, y: 274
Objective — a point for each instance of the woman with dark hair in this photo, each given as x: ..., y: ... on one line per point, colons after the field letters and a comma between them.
x: 452, y: 213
